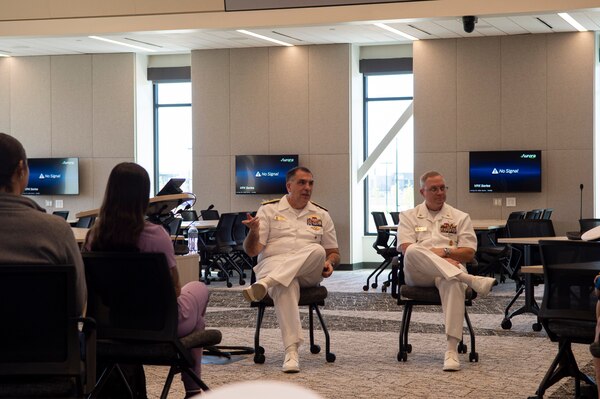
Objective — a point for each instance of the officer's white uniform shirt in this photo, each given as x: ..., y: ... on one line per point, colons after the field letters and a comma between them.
x: 449, y: 228
x: 283, y: 229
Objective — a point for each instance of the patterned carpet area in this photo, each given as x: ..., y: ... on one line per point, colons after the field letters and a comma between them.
x: 364, y: 330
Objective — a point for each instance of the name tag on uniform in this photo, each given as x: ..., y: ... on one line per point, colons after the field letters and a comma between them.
x: 279, y: 218
x: 420, y: 228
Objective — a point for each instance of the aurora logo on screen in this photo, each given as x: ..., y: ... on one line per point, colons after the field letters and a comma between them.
x: 528, y: 156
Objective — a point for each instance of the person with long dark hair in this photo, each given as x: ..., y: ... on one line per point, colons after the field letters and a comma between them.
x: 28, y: 235
x: 121, y: 226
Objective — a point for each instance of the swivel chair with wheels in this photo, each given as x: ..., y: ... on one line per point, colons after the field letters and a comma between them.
x: 385, y: 248
x: 568, y: 311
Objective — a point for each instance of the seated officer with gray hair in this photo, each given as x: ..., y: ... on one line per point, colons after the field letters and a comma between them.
x: 437, y: 241
x: 296, y: 245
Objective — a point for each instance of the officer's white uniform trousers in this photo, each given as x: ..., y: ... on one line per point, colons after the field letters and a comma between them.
x: 423, y: 268
x: 299, y: 268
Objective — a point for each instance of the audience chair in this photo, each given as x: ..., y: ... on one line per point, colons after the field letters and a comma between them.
x: 313, y: 297
x: 409, y: 297
x: 218, y: 254
x: 132, y: 298
x: 588, y: 224
x: 524, y: 228
x: 395, y: 217
x: 384, y: 248
x: 85, y: 222
x: 517, y: 215
x: 239, y: 233
x: 547, y: 213
x: 209, y: 214
x: 534, y: 214
x: 568, y: 311
x: 40, y: 347
x: 188, y: 215
x: 62, y: 214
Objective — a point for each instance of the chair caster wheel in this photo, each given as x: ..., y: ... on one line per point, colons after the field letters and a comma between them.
x: 408, y: 348
x: 383, y: 289
x: 536, y: 327
x: 462, y: 348
x: 473, y: 357
x: 402, y: 356
x: 207, y: 281
x: 259, y: 359
x: 229, y: 285
x: 506, y: 324
x: 374, y: 285
x: 260, y: 350
x: 314, y: 349
x: 242, y: 282
x: 330, y: 357
x: 365, y: 288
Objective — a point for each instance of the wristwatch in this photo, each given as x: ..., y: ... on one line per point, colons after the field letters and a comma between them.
x: 447, y: 252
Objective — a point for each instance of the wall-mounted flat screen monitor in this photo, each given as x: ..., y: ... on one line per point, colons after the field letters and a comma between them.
x: 53, y: 176
x: 505, y: 171
x: 262, y: 174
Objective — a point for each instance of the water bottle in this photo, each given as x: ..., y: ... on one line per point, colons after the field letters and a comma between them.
x: 192, y: 239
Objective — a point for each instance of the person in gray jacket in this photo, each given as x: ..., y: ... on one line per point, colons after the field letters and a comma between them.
x: 27, y: 234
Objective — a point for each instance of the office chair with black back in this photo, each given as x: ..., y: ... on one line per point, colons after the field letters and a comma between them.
x: 568, y: 311
x: 85, y: 222
x: 40, y: 347
x: 132, y: 298
x: 188, y: 215
x: 209, y: 214
x: 217, y: 252
x: 534, y: 214
x: 588, y: 224
x: 395, y: 217
x: 409, y: 297
x: 62, y: 214
x: 239, y: 233
x: 524, y: 255
x: 547, y: 213
x: 384, y: 247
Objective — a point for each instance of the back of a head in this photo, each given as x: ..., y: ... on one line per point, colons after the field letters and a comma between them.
x: 11, y: 153
x: 121, y: 217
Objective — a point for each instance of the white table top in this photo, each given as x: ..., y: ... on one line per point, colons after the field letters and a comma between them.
x: 201, y: 224
x: 530, y: 240
x: 478, y: 224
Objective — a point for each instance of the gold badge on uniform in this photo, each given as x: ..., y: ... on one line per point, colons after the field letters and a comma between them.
x: 314, y: 222
x: 279, y: 218
x: 448, y: 228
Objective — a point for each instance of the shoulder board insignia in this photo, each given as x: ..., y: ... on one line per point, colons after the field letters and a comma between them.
x: 317, y: 205
x: 273, y: 201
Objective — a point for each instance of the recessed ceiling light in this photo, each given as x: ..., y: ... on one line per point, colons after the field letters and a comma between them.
x: 245, y: 32
x: 572, y: 21
x: 396, y: 31
x: 122, y: 44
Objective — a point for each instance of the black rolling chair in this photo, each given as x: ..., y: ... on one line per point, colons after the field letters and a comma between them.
x: 517, y: 215
x: 524, y: 228
x: 239, y: 233
x: 132, y: 298
x: 395, y: 217
x: 217, y: 253
x: 588, y: 224
x: 568, y: 311
x: 313, y: 297
x: 534, y: 214
x: 209, y: 214
x: 189, y: 215
x: 409, y: 297
x: 40, y: 346
x: 384, y: 248
x: 62, y: 214
x: 85, y: 222
x: 547, y: 213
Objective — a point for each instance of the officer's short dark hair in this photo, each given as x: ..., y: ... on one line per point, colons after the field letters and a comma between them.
x: 292, y: 172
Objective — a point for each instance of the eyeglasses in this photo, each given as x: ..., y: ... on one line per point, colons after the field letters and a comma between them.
x: 435, y: 189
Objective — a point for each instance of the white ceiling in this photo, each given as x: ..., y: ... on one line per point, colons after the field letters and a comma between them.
x: 183, y: 41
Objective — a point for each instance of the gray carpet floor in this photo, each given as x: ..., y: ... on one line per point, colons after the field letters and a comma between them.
x: 364, y: 329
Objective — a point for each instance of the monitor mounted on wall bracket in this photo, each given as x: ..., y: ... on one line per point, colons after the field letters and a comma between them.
x: 505, y: 171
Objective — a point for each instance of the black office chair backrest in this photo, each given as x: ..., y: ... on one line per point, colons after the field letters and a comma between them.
x: 569, y: 271
x: 39, y: 334
x: 529, y: 228
x: 239, y: 229
x: 395, y: 217
x: 383, y: 236
x: 131, y: 295
x: 85, y: 222
x: 173, y: 226
x: 62, y: 214
x: 547, y: 213
x: 517, y: 215
x: 534, y: 214
x: 210, y: 214
x: 189, y: 215
x: 588, y: 224
x: 224, y: 233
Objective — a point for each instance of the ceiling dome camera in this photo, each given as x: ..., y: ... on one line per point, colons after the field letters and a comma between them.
x: 469, y: 22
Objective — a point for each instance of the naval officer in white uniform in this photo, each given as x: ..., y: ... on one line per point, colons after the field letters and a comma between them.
x: 437, y: 241
x: 297, y: 247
